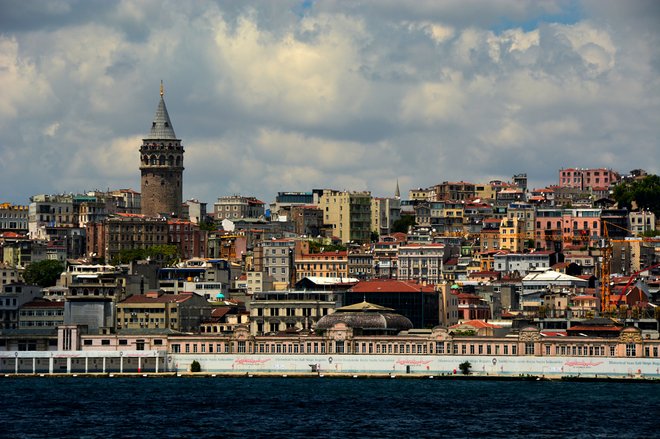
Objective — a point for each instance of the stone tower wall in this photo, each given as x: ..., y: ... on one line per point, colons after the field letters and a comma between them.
x: 161, y: 166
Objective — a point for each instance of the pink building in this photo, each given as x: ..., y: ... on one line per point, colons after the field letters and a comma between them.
x: 583, y: 178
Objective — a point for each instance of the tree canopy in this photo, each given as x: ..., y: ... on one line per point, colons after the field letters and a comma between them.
x: 43, y: 273
x: 168, y: 254
x: 644, y: 192
x: 401, y: 225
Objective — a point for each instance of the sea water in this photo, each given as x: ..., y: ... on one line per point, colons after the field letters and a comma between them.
x: 325, y: 407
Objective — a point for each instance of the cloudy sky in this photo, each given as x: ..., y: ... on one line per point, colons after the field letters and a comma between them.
x: 282, y: 95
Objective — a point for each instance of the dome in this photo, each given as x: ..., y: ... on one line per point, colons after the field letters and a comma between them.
x: 366, y: 317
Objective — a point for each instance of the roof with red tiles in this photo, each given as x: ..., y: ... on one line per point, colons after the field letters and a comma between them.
x: 477, y: 324
x: 587, y: 328
x: 42, y: 303
x: 163, y: 298
x: 391, y: 286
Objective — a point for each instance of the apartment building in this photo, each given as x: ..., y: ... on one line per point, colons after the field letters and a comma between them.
x: 325, y: 264
x: 237, y: 206
x: 583, y: 178
x: 13, y: 218
x: 349, y: 214
x: 642, y: 221
x: 422, y: 262
x: 384, y: 212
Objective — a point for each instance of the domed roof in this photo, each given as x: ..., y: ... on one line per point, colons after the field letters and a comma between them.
x: 631, y: 329
x: 367, y: 317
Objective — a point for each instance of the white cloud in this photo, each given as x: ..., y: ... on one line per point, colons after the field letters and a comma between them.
x: 350, y: 95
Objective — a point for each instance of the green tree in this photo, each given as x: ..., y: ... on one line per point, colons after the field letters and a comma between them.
x: 168, y: 254
x: 465, y: 367
x: 318, y: 247
x: 401, y: 225
x: 43, y: 273
x: 644, y: 192
x: 195, y: 366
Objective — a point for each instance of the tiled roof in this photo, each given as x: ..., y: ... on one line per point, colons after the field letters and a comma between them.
x: 477, y: 324
x: 162, y: 128
x: 390, y: 286
x: 164, y: 298
x: 41, y: 303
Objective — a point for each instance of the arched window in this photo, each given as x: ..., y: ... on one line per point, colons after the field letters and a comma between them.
x: 161, y: 160
x: 153, y: 160
x: 170, y: 160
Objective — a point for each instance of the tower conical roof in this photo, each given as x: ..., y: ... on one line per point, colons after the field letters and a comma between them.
x: 161, y: 128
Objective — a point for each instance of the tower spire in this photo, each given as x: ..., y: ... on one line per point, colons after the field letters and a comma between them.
x: 162, y: 90
x: 397, y: 192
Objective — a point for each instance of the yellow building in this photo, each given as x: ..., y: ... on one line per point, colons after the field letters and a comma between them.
x: 512, y: 237
x: 349, y: 214
x: 327, y: 264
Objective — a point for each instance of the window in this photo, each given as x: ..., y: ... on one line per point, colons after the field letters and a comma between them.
x: 176, y: 348
x: 87, y: 342
x: 123, y: 342
x: 105, y: 342
x: 529, y: 348
x: 631, y: 350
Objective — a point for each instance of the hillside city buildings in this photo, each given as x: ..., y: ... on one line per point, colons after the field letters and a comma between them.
x: 147, y: 269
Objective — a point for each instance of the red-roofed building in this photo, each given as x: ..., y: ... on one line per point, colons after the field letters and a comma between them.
x: 419, y: 302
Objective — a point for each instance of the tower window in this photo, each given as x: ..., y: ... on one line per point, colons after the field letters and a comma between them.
x: 167, y: 124
x: 153, y: 125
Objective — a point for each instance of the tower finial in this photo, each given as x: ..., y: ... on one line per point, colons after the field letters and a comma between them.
x: 162, y: 90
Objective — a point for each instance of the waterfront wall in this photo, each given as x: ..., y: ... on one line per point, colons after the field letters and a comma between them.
x: 421, y: 364
x: 72, y: 362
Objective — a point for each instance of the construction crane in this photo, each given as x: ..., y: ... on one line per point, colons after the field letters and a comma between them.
x: 633, y: 278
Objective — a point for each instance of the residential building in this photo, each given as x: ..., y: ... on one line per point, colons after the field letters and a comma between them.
x: 583, y: 178
x: 349, y: 214
x: 12, y: 298
x: 276, y: 258
x: 279, y: 311
x: 579, y: 226
x: 512, y: 236
x: 361, y: 264
x: 13, y: 218
x: 422, y: 263
x: 281, y: 209
x: 455, y: 191
x: 325, y: 264
x: 235, y: 207
x: 489, y: 237
x: 641, y: 222
x: 179, y: 312
x: 195, y: 211
x: 41, y: 313
x: 187, y: 236
x: 472, y: 306
x: 522, y: 263
x: 9, y: 274
x: 384, y: 212
x: 548, y: 229
x: 307, y: 220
